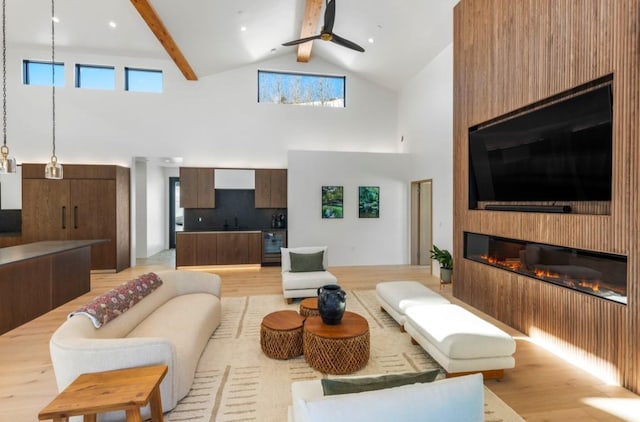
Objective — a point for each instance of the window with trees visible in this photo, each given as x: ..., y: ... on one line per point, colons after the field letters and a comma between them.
x: 40, y: 73
x: 95, y: 77
x: 142, y: 80
x: 301, y: 89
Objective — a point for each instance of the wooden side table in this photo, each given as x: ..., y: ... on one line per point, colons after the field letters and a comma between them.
x: 98, y: 392
x: 309, y: 307
x: 337, y: 349
x: 281, y: 334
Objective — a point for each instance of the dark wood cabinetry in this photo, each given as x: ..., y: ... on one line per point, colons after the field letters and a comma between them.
x: 271, y: 188
x: 207, y: 249
x: 239, y: 248
x: 218, y: 248
x: 186, y: 249
x: 197, y: 188
x: 38, y: 277
x: 92, y: 202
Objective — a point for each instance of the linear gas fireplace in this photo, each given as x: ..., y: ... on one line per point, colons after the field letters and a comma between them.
x: 595, y: 273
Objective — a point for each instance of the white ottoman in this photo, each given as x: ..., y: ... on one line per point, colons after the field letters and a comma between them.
x: 396, y: 296
x: 460, y: 341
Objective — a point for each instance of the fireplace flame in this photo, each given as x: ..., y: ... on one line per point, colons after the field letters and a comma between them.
x: 515, y: 265
x: 545, y: 273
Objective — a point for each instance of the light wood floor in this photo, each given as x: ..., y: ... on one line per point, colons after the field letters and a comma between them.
x: 542, y: 387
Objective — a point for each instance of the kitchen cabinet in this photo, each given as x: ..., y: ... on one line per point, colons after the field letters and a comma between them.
x: 271, y: 188
x: 185, y: 249
x: 239, y: 248
x: 92, y: 202
x: 41, y: 276
x: 207, y: 249
x: 197, y: 187
x: 218, y: 248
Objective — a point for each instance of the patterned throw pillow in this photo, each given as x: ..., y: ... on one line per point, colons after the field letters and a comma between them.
x: 117, y: 301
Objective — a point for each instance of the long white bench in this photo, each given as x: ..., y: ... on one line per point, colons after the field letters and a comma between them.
x: 395, y: 297
x: 458, y: 340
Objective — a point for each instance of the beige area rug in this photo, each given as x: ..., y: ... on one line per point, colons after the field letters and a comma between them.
x: 235, y: 381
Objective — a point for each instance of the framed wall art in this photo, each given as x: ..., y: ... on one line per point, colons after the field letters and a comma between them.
x: 332, y: 201
x: 369, y: 202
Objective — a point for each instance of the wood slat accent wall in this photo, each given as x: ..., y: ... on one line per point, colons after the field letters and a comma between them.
x: 507, y: 55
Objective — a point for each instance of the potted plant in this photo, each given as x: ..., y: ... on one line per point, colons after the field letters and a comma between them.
x: 445, y: 260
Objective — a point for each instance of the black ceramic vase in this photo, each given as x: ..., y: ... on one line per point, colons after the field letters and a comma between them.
x: 331, y: 303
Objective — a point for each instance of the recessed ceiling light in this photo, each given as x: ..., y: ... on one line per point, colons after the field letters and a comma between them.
x: 112, y: 24
x: 55, y: 19
x: 243, y: 28
x: 370, y: 40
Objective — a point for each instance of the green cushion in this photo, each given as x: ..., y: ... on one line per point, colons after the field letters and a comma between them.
x: 305, y: 262
x: 358, y: 385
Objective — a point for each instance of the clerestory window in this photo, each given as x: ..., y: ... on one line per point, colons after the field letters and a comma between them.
x: 301, y: 89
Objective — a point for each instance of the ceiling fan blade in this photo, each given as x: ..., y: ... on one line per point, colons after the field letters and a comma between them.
x: 346, y: 43
x: 329, y: 16
x: 301, y: 41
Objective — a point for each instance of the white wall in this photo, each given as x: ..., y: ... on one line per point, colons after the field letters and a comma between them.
x: 425, y: 119
x: 151, y: 222
x: 11, y: 190
x: 157, y: 209
x: 351, y: 240
x: 215, y: 121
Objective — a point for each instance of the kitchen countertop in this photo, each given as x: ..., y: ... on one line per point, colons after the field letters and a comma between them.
x: 230, y: 231
x: 13, y: 254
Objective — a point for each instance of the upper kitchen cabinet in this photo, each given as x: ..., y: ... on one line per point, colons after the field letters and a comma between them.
x: 91, y: 202
x: 271, y: 188
x: 197, y: 187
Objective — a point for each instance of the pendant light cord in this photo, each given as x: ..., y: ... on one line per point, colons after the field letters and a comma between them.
x: 4, y: 73
x: 53, y: 75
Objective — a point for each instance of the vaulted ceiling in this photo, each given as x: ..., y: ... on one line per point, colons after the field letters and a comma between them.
x: 215, y: 36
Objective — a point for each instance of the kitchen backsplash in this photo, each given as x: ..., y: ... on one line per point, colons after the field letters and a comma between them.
x: 10, y: 221
x: 236, y: 209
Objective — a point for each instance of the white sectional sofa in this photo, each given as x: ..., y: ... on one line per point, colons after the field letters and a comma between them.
x: 459, y: 399
x: 299, y: 284
x: 170, y: 326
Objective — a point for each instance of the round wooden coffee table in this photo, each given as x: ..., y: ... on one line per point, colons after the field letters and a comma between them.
x: 309, y: 307
x: 281, y: 334
x: 337, y: 349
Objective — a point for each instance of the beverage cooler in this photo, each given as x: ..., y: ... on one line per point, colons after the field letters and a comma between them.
x: 272, y: 241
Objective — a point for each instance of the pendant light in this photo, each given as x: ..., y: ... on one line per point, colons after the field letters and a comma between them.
x: 53, y: 170
x: 7, y: 164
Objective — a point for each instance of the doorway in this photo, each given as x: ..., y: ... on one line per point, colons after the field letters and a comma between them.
x: 421, y: 222
x: 176, y: 214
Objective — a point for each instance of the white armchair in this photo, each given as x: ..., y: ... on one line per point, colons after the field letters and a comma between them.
x: 309, y: 271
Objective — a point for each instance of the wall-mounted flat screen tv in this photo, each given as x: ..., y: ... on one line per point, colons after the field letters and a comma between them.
x: 558, y: 152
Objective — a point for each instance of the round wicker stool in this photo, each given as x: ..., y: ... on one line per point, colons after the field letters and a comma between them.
x: 281, y: 334
x: 309, y: 307
x: 337, y: 349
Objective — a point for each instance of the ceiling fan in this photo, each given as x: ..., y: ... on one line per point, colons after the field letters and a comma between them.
x: 327, y: 31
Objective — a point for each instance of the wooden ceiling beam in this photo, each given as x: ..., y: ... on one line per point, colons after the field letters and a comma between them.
x: 309, y: 28
x: 149, y: 15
